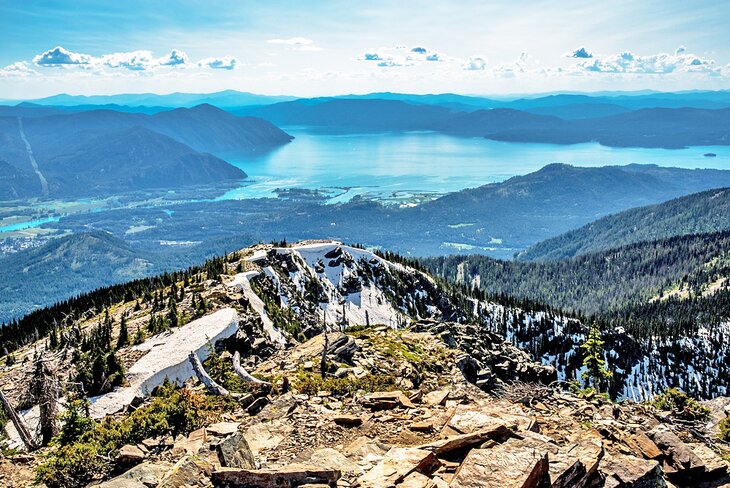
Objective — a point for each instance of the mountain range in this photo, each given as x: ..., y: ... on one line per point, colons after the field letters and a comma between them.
x: 646, y: 127
x: 103, y: 152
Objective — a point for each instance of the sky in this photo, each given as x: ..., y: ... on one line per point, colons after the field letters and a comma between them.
x: 314, y: 48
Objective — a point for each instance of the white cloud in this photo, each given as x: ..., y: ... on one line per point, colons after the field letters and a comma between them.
x: 134, y: 60
x: 224, y: 62
x: 475, y: 63
x: 580, y: 53
x: 175, y: 58
x: 292, y: 41
x: 58, y: 56
x: 662, y: 63
x: 296, y: 43
x: 19, y: 69
x: 524, y: 64
x: 401, y: 55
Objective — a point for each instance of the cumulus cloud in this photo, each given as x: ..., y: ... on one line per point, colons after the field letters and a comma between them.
x: 141, y: 60
x: 580, y: 53
x: 662, y: 63
x: 225, y: 62
x: 19, y: 69
x: 475, y: 63
x: 58, y: 56
x: 371, y: 56
x: 134, y: 60
x: 524, y: 64
x: 401, y: 55
x: 175, y: 58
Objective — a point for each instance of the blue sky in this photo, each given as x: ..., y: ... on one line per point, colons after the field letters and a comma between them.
x: 310, y: 48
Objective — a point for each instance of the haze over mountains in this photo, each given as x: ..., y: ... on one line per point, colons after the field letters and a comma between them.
x: 103, y: 152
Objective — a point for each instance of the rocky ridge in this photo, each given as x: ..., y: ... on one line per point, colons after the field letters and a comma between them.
x: 380, y: 382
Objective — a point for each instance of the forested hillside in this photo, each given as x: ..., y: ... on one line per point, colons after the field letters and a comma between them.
x: 667, y: 286
x: 708, y: 211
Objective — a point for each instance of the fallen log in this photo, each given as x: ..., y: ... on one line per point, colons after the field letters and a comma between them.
x: 204, y: 378
x: 20, y: 427
x: 242, y: 373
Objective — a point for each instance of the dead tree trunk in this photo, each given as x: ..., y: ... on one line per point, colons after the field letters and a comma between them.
x: 323, y: 359
x: 25, y: 436
x: 209, y: 382
x: 242, y: 373
x: 46, y: 392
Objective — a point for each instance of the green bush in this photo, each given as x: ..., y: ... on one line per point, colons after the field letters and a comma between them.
x: 725, y: 429
x: 84, y: 450
x: 674, y: 399
x: 310, y: 383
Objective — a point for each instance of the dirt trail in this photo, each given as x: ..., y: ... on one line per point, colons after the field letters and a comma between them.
x: 44, y: 183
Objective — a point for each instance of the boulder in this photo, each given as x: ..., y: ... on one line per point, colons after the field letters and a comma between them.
x: 347, y: 420
x: 641, y: 445
x: 234, y: 452
x: 714, y: 465
x: 130, y: 454
x: 141, y: 476
x: 398, y: 463
x: 678, y: 454
x: 334, y: 459
x: 293, y: 475
x: 187, y: 471
x: 416, y: 480
x: 630, y: 471
x: 501, y: 467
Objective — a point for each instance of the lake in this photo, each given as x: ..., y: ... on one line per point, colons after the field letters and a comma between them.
x: 389, y: 166
x: 412, y: 167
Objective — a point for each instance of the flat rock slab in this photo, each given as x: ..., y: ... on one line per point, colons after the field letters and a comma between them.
x: 467, y: 420
x: 397, y: 464
x: 437, y: 397
x: 290, y: 476
x: 386, y: 400
x: 223, y: 428
x: 500, y: 467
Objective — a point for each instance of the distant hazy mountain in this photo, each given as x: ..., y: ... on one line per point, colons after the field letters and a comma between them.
x: 133, y: 159
x: 703, y: 212
x: 530, y: 120
x: 227, y: 98
x: 354, y: 114
x: 105, y: 151
x: 655, y: 127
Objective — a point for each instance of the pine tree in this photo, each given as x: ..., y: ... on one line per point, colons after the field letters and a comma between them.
x: 596, y: 372
x: 123, y: 338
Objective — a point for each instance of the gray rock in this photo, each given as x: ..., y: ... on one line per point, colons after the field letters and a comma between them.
x: 234, y: 452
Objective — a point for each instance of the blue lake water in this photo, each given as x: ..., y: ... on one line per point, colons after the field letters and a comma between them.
x: 424, y: 162
x: 28, y: 224
x: 403, y: 168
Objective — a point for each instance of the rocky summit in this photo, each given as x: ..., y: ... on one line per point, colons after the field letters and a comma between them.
x: 323, y: 365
